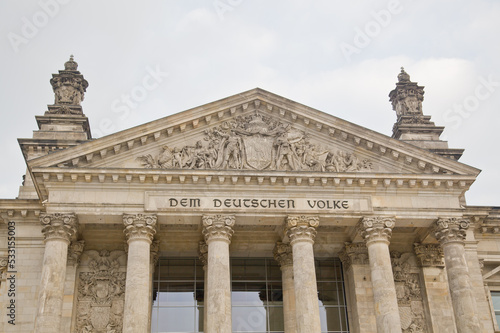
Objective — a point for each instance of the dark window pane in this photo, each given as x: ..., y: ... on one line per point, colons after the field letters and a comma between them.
x: 248, y: 269
x: 275, y: 318
x: 273, y: 271
x: 325, y: 270
x: 328, y: 293
x: 275, y: 293
x: 177, y: 269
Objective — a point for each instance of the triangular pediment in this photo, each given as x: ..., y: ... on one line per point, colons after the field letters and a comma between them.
x: 253, y: 131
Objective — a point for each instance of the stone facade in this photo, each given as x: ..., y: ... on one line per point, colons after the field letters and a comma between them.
x: 253, y: 175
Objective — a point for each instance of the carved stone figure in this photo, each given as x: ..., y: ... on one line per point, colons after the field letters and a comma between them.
x: 101, y: 294
x: 69, y: 86
x: 255, y: 142
x: 408, y: 292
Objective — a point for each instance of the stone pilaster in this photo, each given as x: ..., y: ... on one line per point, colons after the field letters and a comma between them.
x: 357, y: 276
x: 377, y: 231
x: 154, y: 255
x: 283, y: 255
x: 451, y: 232
x: 75, y: 250
x: 139, y: 232
x: 301, y: 230
x: 218, y: 230
x: 58, y: 230
x: 203, y: 255
x: 436, y: 292
x: 483, y: 309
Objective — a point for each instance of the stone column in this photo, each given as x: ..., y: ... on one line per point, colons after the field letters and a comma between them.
x: 301, y: 230
x: 59, y: 230
x: 283, y: 255
x: 359, y: 290
x: 203, y: 254
x: 139, y: 232
x: 436, y: 292
x: 451, y: 232
x: 377, y: 231
x: 218, y: 230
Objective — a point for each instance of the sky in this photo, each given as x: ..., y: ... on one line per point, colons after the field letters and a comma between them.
x: 340, y: 57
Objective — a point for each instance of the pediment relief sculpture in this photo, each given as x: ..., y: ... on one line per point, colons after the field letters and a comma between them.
x: 256, y: 142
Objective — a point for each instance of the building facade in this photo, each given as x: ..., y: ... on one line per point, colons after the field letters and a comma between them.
x: 253, y: 213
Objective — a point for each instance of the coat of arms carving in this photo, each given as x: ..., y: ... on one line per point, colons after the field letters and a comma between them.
x: 256, y: 142
x: 101, y: 294
x: 407, y: 281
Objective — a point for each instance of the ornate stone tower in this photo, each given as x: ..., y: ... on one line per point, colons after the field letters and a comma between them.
x: 412, y: 126
x: 63, y: 125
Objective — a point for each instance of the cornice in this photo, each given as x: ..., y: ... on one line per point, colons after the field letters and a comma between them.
x: 16, y: 208
x: 251, y: 177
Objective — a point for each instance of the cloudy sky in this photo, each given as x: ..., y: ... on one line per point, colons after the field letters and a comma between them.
x: 341, y: 57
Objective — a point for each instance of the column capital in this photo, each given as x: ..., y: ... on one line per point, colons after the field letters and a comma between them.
x: 218, y: 227
x: 429, y: 255
x: 59, y: 226
x: 354, y: 254
x: 283, y: 254
x: 139, y: 226
x: 203, y: 253
x: 301, y: 228
x: 451, y: 230
x: 75, y: 250
x: 376, y: 229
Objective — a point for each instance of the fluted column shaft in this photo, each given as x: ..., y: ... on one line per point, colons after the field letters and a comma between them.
x: 283, y: 255
x: 218, y: 230
x: 58, y: 230
x: 301, y: 230
x: 451, y: 235
x: 377, y: 231
x: 139, y: 232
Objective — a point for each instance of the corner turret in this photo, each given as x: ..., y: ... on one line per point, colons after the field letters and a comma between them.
x: 63, y: 125
x: 412, y: 126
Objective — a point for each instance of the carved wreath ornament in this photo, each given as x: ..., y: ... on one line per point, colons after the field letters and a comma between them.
x: 255, y: 142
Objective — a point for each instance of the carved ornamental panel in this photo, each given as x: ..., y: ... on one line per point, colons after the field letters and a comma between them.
x: 101, y: 293
x: 407, y: 281
x: 256, y: 142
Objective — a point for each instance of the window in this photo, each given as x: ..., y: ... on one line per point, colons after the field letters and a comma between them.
x: 331, y: 296
x: 495, y: 300
x: 256, y: 296
x: 178, y: 296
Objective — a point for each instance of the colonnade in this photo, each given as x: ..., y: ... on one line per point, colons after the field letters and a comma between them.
x: 295, y: 256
